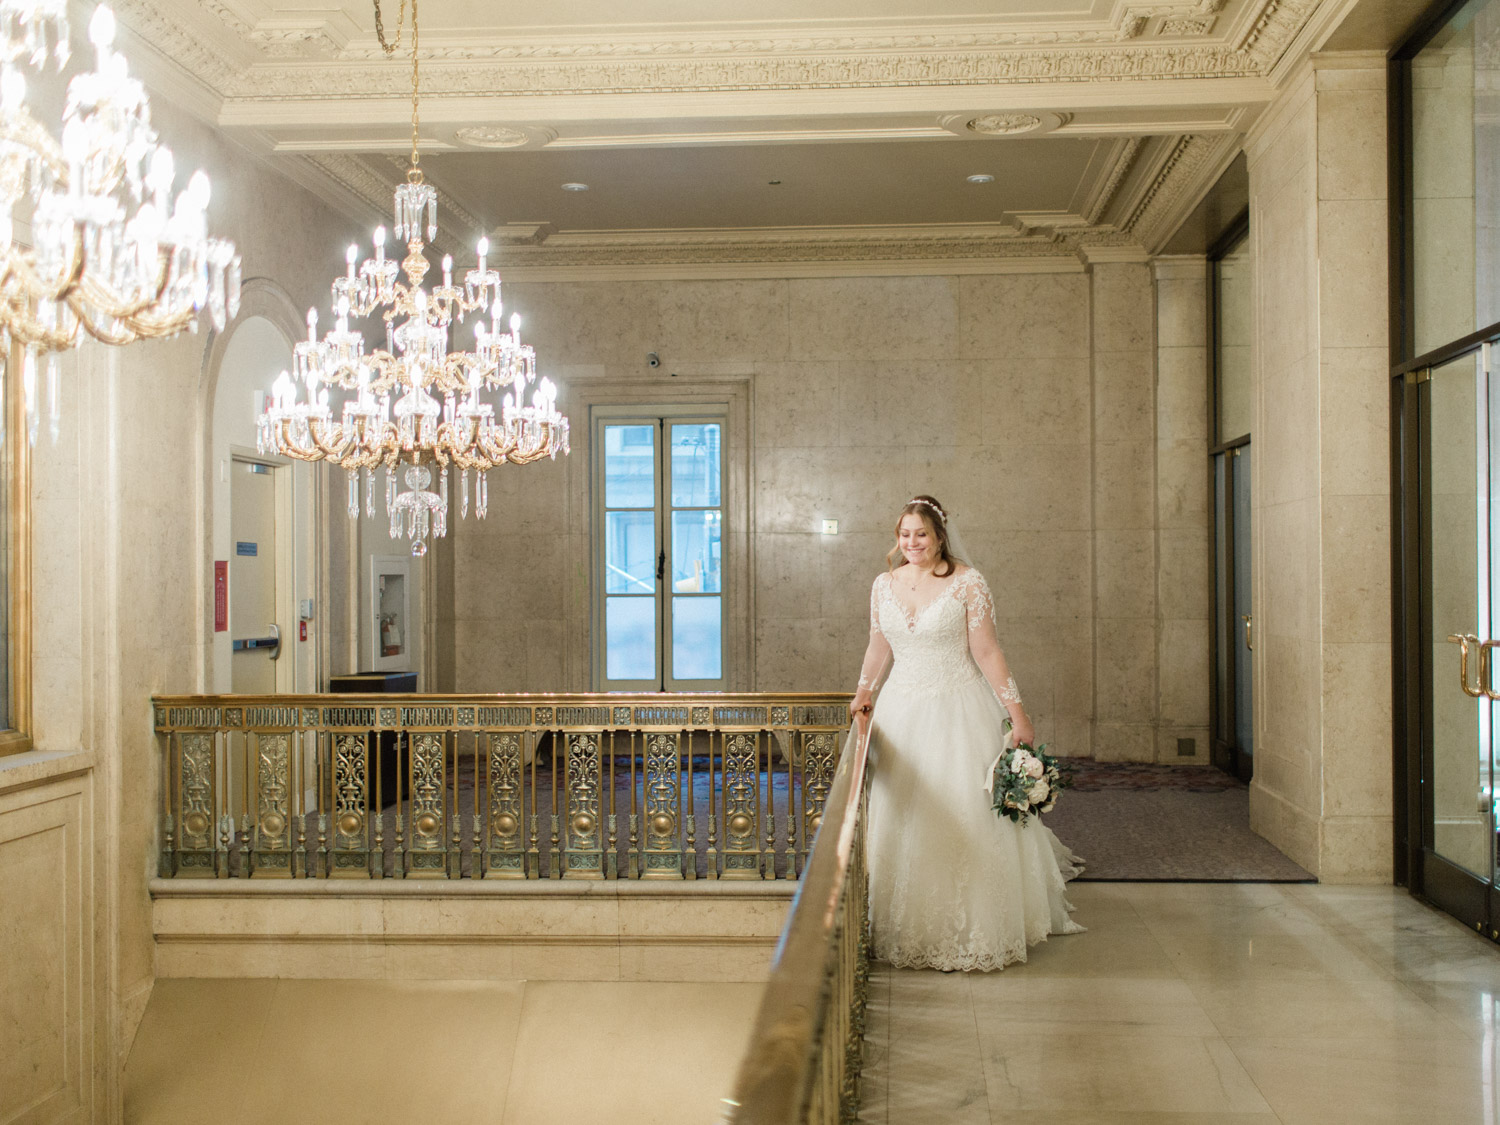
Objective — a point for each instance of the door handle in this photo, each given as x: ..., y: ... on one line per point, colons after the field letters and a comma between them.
x: 1463, y: 641
x: 661, y: 565
x: 1245, y: 617
x: 254, y: 644
x: 1486, y: 669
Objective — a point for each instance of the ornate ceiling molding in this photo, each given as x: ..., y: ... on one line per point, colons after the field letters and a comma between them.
x: 694, y: 65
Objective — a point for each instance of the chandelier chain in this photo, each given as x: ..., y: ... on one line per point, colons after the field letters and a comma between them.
x: 414, y: 172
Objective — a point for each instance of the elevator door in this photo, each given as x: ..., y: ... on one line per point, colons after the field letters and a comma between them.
x: 252, y: 578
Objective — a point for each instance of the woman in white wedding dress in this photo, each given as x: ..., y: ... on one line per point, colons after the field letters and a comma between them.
x: 952, y: 885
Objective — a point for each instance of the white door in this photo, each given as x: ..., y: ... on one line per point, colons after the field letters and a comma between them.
x: 252, y: 578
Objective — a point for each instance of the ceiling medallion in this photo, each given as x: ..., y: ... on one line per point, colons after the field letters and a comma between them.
x: 503, y: 136
x: 1013, y: 124
x: 415, y: 402
x: 1004, y: 124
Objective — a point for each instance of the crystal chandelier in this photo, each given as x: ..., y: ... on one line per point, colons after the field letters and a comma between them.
x: 414, y: 403
x: 113, y: 251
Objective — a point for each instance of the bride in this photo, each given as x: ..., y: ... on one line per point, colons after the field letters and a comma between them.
x: 952, y: 885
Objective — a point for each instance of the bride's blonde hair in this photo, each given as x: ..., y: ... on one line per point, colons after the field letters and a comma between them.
x: 935, y: 517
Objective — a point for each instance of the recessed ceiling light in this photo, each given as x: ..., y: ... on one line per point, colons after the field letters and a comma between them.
x: 575, y: 187
x: 981, y: 178
x: 773, y: 183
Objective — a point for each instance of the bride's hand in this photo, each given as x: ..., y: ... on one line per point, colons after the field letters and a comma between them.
x: 1023, y: 730
x: 860, y: 702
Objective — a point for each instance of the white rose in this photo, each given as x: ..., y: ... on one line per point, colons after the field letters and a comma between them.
x: 1018, y: 761
x: 1034, y: 768
x: 1038, y: 792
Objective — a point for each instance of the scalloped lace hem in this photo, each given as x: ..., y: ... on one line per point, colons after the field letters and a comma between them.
x: 982, y: 961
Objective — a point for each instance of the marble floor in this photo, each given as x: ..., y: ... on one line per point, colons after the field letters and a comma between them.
x: 357, y: 1052
x: 1187, y: 1004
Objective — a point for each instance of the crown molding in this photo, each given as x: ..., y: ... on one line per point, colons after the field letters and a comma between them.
x: 631, y: 64
x: 1191, y: 166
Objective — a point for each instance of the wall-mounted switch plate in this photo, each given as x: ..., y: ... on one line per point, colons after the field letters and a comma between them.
x: 830, y: 527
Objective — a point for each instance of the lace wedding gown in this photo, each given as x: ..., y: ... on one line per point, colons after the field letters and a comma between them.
x: 952, y: 885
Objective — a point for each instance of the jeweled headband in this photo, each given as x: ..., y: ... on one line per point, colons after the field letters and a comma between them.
x: 942, y: 515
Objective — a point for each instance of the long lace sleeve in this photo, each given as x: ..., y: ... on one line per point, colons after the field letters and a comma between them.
x: 984, y: 645
x: 878, y: 652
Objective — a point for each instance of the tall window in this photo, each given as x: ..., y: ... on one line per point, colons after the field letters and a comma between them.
x: 659, y: 558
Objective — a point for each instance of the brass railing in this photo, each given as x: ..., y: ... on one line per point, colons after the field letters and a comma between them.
x: 803, y: 1061
x: 600, y: 786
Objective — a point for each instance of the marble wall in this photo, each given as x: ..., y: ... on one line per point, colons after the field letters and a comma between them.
x: 1027, y: 402
x: 122, y: 608
x: 1321, y: 472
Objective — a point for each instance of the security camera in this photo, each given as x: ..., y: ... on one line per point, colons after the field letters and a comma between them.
x: 653, y: 360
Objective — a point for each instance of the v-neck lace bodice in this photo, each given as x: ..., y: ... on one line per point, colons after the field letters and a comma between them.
x: 930, y: 645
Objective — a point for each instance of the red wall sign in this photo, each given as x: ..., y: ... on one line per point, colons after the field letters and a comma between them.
x: 221, y: 596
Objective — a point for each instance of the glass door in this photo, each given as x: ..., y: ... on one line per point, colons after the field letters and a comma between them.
x: 659, y: 559
x: 1455, y: 431
x: 1234, y: 632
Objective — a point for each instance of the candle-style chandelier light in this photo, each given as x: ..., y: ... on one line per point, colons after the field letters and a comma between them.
x: 414, y: 403
x: 113, y: 252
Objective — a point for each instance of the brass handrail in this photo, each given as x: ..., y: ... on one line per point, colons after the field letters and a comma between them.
x: 577, y: 786
x: 803, y: 1058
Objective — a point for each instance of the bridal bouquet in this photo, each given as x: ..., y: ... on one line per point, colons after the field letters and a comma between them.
x: 1026, y: 780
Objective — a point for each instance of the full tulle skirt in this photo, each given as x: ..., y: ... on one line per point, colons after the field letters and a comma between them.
x: 952, y: 885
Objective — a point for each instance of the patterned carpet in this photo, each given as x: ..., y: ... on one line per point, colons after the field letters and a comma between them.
x: 1149, y: 823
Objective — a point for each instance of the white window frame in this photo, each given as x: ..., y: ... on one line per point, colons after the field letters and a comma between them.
x: 662, y: 416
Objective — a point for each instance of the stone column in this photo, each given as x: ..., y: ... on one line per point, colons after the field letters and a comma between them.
x: 1124, y: 496
x: 1183, y: 510
x: 1320, y: 481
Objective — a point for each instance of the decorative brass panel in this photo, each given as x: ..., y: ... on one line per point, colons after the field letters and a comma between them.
x: 504, y: 716
x: 583, y: 716
x: 661, y: 849
x: 820, y: 756
x: 363, y: 718
x: 196, y: 786
x: 505, y: 857
x: 262, y: 718
x: 351, y: 804
x: 741, y: 847
x: 272, y: 857
x: 427, y: 716
x: 583, y: 857
x: 426, y: 854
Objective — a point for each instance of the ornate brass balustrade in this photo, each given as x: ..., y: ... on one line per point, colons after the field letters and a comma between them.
x: 803, y: 1061
x: 595, y: 786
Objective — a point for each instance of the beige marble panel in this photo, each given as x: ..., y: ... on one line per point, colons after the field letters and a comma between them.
x: 1022, y: 316
x: 1012, y: 487
x: 1357, y: 849
x: 1042, y: 399
x: 1293, y: 830
x: 796, y: 489
x: 1184, y: 579
x: 1352, y: 294
x: 873, y: 318
x: 1124, y: 484
x: 1125, y: 569
x: 1124, y: 741
x: 596, y: 322
x: 796, y: 404
x: 1182, y: 311
x: 1356, y: 453
x: 913, y: 402
x: 1124, y: 394
x: 1184, y: 660
x: 737, y: 320
x: 1182, y: 394
x: 1351, y: 142
x: 1124, y: 315
x: 1182, y: 487
x: 1357, y: 570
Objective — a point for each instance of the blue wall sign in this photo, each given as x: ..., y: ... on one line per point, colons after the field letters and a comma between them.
x: 246, y: 548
